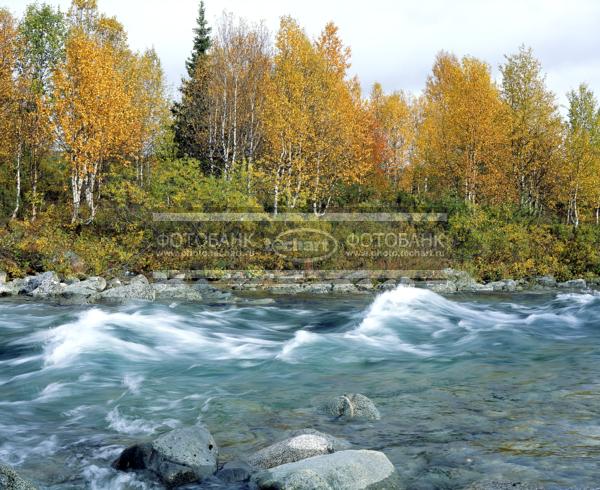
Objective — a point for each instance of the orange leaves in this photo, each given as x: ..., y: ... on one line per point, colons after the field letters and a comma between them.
x: 93, y: 111
x: 92, y: 107
x: 463, y: 135
x: 317, y: 127
x: 8, y: 58
x: 396, y: 132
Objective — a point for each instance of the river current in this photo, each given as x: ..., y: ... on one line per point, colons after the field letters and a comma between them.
x: 470, y: 388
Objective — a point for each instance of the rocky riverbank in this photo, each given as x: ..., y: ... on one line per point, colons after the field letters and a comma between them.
x: 240, y: 287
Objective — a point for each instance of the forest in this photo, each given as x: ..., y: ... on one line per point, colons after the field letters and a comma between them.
x: 92, y: 143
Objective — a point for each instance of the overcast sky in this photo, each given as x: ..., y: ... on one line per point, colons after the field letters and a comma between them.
x: 393, y: 41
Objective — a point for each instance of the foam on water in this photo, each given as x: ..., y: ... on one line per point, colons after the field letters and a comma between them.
x: 301, y: 339
x: 423, y: 323
x: 142, y: 337
x: 130, y: 425
x: 133, y: 382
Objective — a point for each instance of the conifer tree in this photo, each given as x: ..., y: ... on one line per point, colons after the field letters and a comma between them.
x: 191, y: 113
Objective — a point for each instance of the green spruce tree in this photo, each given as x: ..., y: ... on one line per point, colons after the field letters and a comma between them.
x: 190, y: 115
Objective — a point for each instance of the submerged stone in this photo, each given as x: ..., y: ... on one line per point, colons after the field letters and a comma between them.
x: 10, y: 480
x: 178, y: 457
x: 235, y: 472
x: 348, y: 470
x: 352, y: 406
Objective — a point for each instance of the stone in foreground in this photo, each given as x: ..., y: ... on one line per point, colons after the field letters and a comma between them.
x: 352, y: 406
x: 10, y: 480
x: 335, y: 442
x: 291, y: 450
x: 350, y: 470
x: 178, y: 457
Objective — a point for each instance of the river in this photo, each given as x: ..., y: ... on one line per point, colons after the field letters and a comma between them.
x: 469, y: 387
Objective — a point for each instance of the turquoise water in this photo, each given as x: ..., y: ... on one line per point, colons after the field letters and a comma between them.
x: 470, y: 388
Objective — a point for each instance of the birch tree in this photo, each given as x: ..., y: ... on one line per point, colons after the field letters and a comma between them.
x: 583, y: 154
x: 394, y: 114
x: 42, y: 34
x: 535, y: 131
x: 462, y: 136
x: 92, y: 112
x: 239, y: 64
x: 11, y: 150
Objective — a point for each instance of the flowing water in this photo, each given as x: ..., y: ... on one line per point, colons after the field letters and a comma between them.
x: 470, y: 388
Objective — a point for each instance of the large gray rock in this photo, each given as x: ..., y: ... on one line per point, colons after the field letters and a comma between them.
x: 461, y: 279
x: 545, y: 282
x: 9, y: 289
x: 365, y: 285
x: 180, y: 292
x: 160, y: 275
x: 344, y: 287
x: 335, y: 442
x: 178, y: 457
x: 457, y: 281
x: 86, y: 288
x: 507, y: 286
x: 290, y: 288
x: 139, y: 279
x: 318, y: 288
x: 348, y: 470
x: 10, y: 480
x: 352, y: 406
x: 138, y: 289
x: 41, y: 285
x: 290, y: 450
x: 446, y: 287
x: 574, y: 284
x: 388, y: 285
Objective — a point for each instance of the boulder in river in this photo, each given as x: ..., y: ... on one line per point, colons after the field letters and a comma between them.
x: 352, y: 406
x: 350, y: 470
x: 178, y: 457
x: 290, y: 450
x: 10, y: 480
x: 336, y: 443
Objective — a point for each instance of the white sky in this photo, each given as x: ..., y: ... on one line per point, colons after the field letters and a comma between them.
x: 393, y: 42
